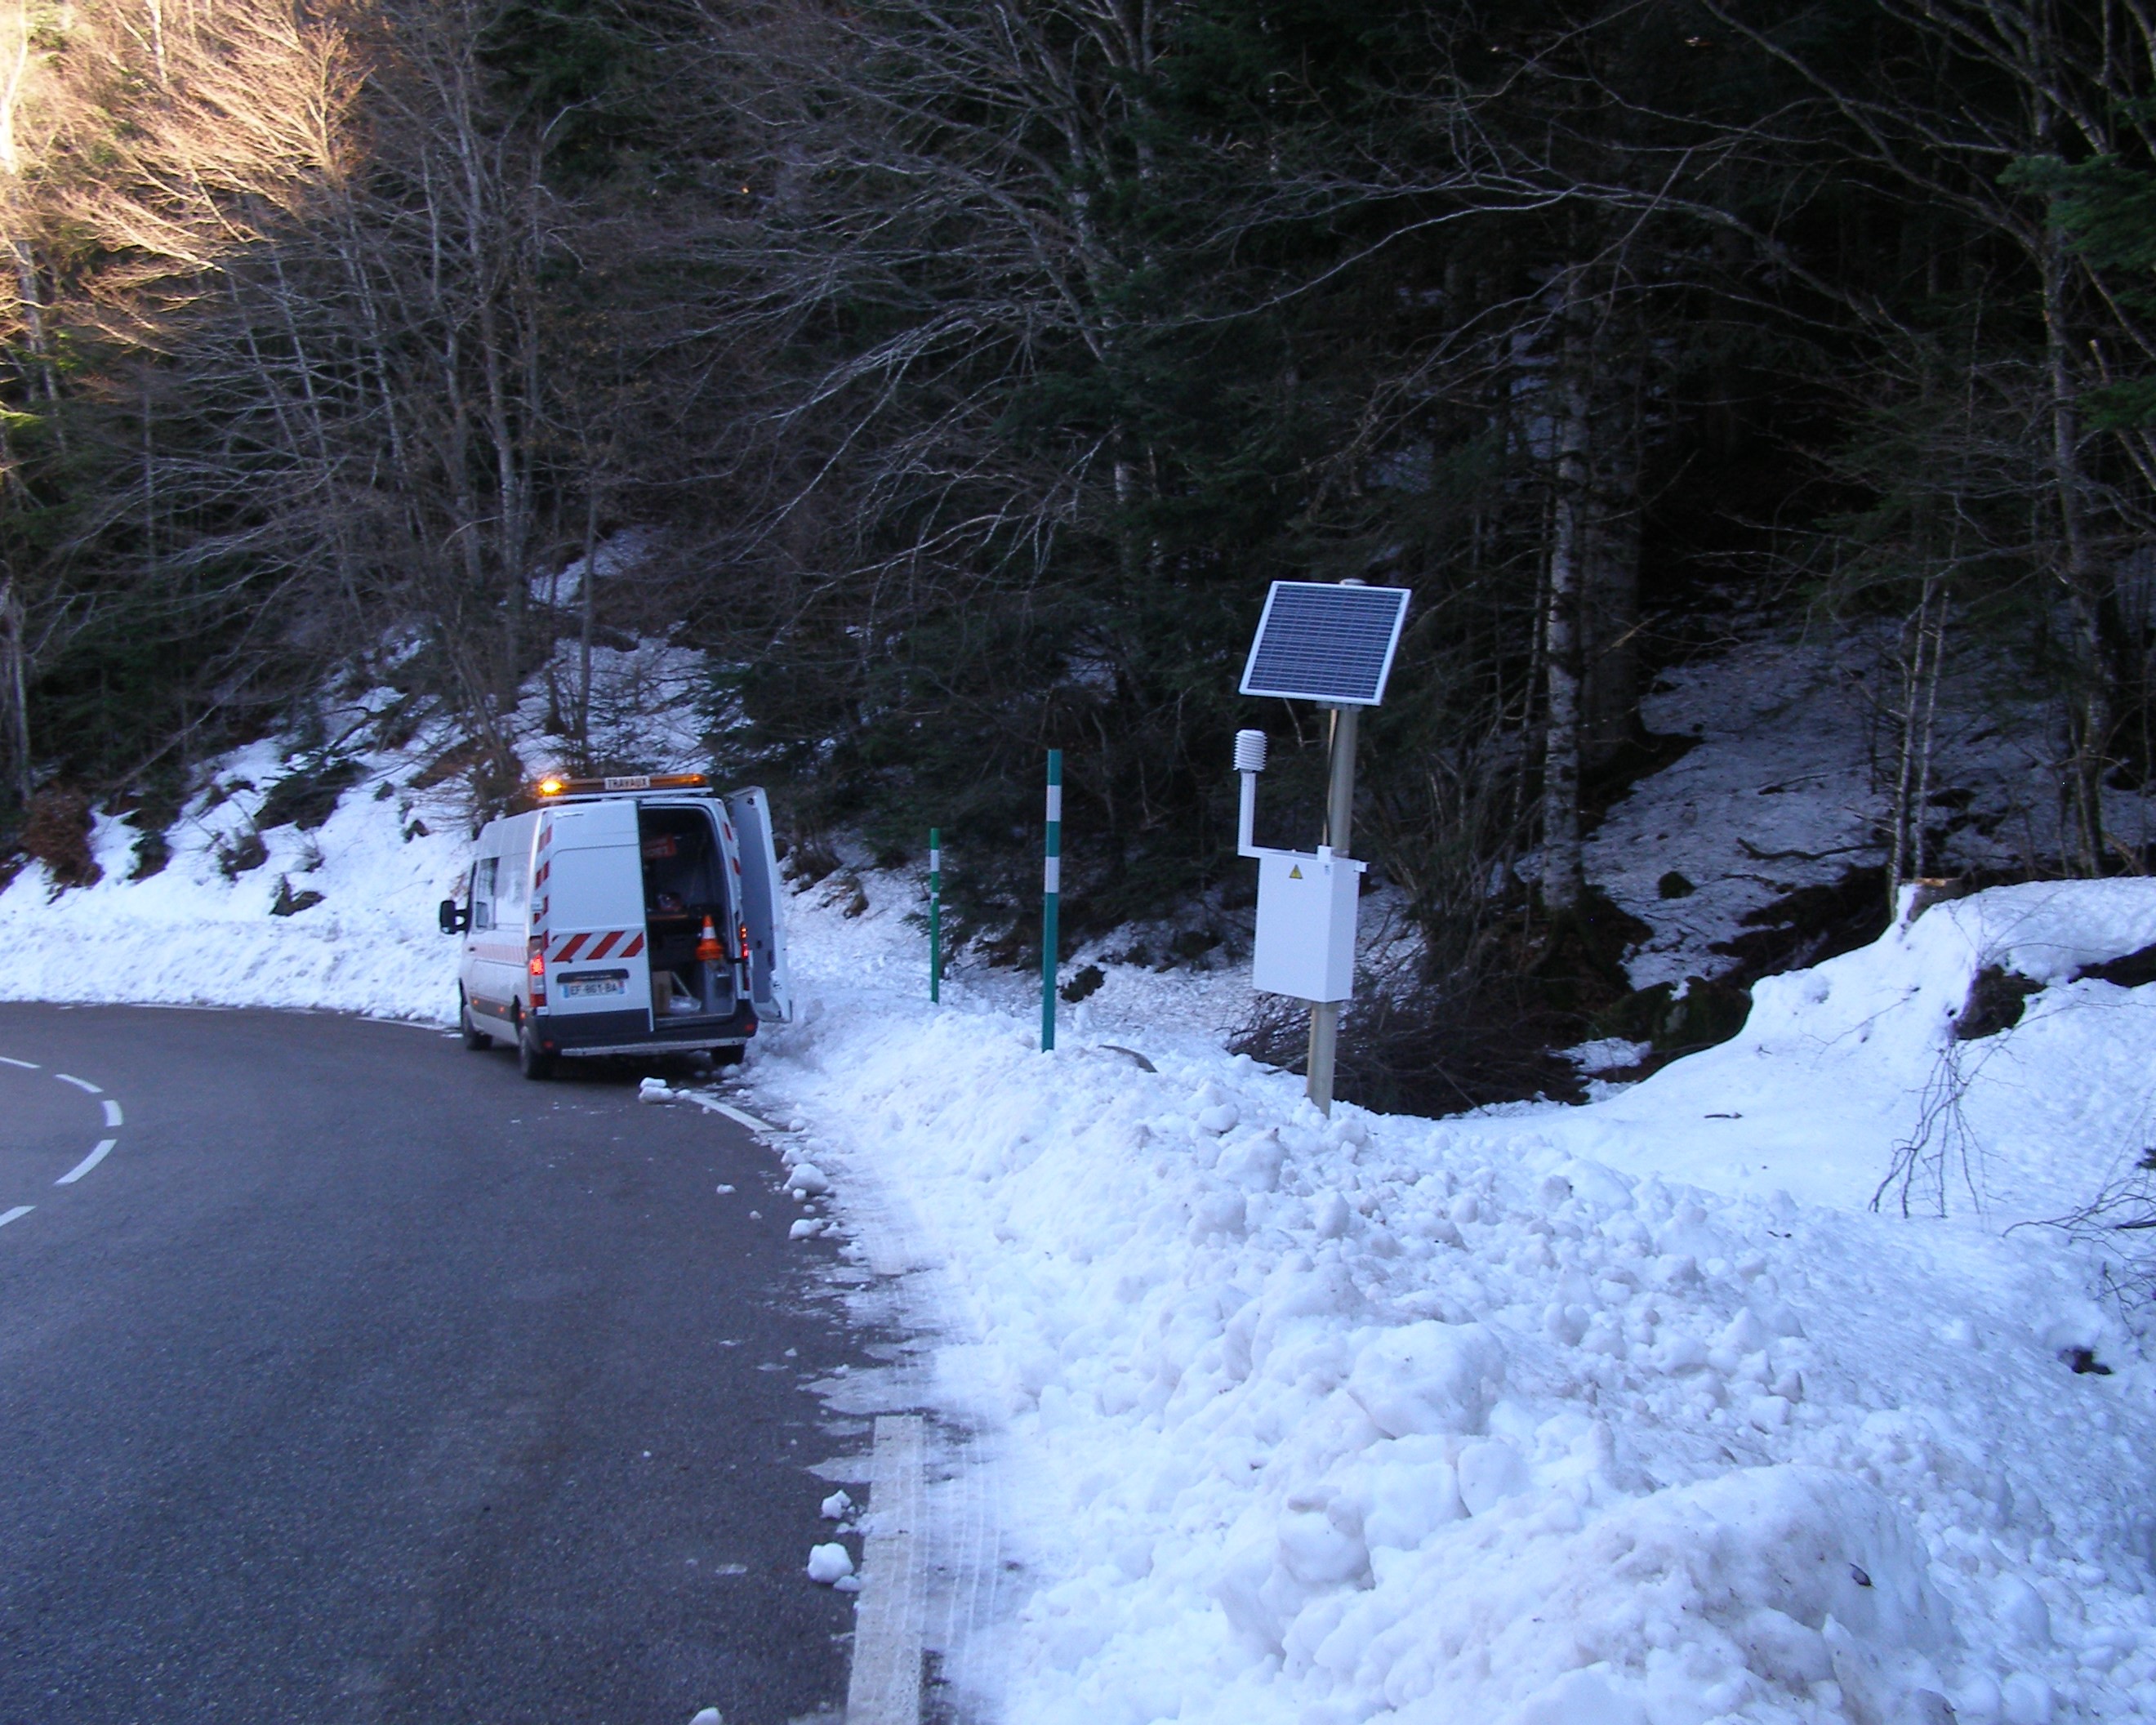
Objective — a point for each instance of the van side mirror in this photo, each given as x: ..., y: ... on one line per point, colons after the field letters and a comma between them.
x: 452, y: 921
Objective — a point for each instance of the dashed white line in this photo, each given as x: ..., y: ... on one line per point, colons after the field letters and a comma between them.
x: 27, y: 1065
x: 80, y: 1083
x: 16, y: 1215
x: 113, y: 1116
x: 103, y: 1150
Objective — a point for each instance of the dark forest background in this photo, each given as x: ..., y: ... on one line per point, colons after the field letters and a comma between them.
x: 967, y: 369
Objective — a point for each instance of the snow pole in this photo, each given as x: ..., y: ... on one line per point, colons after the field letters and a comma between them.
x: 935, y: 914
x: 1051, y: 890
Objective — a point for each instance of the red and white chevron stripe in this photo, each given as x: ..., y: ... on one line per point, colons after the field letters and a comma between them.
x: 591, y: 947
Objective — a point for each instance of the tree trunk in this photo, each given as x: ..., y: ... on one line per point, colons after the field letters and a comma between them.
x: 2088, y: 726
x: 587, y: 619
x: 1564, y: 875
x: 1610, y: 654
x: 14, y: 696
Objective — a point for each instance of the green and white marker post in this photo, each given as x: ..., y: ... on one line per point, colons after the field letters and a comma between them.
x: 1051, y: 893
x: 935, y: 914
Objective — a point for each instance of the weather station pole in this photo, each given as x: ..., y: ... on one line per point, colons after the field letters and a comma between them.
x: 1339, y: 829
x: 1051, y: 891
x: 935, y: 915
x: 1331, y: 644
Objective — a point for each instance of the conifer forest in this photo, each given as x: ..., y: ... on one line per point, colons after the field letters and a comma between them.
x: 957, y: 373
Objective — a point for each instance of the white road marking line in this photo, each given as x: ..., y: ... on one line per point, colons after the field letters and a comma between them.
x: 113, y: 1116
x: 80, y: 1083
x: 16, y: 1214
x: 103, y: 1150
x: 27, y: 1065
x: 741, y: 1116
x: 885, y: 1686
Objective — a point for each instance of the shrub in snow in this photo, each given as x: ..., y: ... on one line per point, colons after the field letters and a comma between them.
x: 56, y: 833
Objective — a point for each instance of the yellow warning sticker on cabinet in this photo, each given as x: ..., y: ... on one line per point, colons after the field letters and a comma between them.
x: 1296, y: 873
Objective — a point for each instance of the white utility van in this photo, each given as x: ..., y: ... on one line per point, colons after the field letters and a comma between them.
x: 622, y: 916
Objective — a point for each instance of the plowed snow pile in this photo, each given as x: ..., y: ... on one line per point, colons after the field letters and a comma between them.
x: 1575, y: 1417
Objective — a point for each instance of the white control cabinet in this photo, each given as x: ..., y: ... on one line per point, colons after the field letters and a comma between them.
x: 1306, y: 945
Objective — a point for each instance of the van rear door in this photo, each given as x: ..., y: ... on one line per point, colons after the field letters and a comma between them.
x: 762, y: 905
x: 595, y: 961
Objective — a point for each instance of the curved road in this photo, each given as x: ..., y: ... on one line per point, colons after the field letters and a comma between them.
x: 362, y: 1381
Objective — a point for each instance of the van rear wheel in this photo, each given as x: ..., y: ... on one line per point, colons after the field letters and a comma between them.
x: 532, y: 1060
x: 475, y: 1038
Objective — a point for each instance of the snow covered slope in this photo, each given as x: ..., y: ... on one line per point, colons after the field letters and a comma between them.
x: 201, y: 930
x: 1838, y: 1065
x: 1565, y: 1417
x: 193, y: 933
x: 1787, y: 786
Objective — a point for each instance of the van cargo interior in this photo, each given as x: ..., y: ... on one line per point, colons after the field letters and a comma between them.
x: 684, y: 883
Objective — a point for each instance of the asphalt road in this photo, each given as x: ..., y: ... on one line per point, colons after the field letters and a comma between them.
x: 362, y: 1381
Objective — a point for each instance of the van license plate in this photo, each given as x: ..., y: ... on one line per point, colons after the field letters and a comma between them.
x: 583, y: 989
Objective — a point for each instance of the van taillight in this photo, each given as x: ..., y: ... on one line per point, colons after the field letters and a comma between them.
x: 535, y: 964
x: 744, y: 943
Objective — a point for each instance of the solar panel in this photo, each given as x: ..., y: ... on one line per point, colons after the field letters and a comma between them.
x: 1320, y: 642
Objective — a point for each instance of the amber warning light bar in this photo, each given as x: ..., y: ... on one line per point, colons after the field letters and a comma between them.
x: 552, y: 786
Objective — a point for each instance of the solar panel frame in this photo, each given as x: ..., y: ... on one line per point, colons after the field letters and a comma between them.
x: 1293, y: 657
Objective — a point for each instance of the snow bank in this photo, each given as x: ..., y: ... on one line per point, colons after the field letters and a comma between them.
x: 1392, y: 1418
x: 1838, y: 1065
x: 191, y: 934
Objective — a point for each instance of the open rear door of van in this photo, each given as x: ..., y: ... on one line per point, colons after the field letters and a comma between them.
x: 763, y: 905
x: 596, y: 959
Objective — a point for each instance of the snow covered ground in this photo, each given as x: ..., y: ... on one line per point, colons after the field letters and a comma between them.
x: 1628, y: 1414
